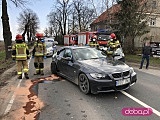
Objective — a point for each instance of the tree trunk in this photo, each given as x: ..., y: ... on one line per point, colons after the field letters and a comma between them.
x: 132, y: 46
x: 25, y: 30
x: 129, y: 45
x: 7, y: 35
x: 79, y: 21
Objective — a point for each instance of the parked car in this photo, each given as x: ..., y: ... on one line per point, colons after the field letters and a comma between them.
x: 91, y: 70
x: 51, y: 48
x: 49, y: 39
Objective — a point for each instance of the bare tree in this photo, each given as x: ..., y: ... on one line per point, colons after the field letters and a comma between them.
x: 28, y: 23
x: 84, y: 14
x: 51, y: 31
x: 77, y: 14
x: 72, y: 23
x: 59, y: 16
x: 7, y: 35
x: 46, y: 32
x: 94, y: 7
x: 87, y: 16
x: 55, y: 21
x: 78, y: 5
x: 62, y: 8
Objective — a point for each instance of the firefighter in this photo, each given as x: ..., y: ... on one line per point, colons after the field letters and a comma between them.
x: 93, y: 42
x: 20, y: 53
x: 113, y: 44
x: 39, y: 53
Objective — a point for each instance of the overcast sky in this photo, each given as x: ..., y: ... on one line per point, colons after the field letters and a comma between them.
x: 41, y: 7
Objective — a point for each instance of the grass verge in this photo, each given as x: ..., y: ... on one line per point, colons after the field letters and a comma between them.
x: 5, y: 64
x: 137, y: 59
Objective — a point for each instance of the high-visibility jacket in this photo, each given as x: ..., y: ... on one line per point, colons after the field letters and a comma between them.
x: 93, y: 43
x: 20, y: 51
x: 39, y: 49
x: 113, y: 44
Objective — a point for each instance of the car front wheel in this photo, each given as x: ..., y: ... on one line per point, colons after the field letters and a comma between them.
x: 84, y: 83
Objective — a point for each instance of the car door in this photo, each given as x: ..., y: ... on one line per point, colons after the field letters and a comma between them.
x: 69, y: 64
x: 66, y: 60
x: 60, y: 60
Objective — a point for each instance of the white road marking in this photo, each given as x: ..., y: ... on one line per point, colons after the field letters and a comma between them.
x: 14, y: 94
x: 12, y: 98
x: 141, y: 103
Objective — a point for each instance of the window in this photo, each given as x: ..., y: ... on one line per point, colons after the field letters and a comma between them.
x: 153, y: 22
x: 61, y: 53
x: 68, y: 53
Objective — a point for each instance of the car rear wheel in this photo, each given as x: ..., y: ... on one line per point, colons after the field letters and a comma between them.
x: 53, y: 68
x: 84, y: 83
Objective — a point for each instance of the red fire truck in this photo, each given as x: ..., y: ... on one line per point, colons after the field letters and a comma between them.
x: 84, y: 37
x: 70, y: 40
x: 103, y: 36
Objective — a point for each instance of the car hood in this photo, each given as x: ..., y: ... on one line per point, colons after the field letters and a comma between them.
x: 49, y: 48
x: 104, y: 65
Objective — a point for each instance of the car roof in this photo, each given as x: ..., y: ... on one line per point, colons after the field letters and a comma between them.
x: 49, y: 39
x: 76, y: 47
x: 73, y: 47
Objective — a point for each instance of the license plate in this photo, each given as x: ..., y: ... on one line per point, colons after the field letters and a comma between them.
x: 122, y: 82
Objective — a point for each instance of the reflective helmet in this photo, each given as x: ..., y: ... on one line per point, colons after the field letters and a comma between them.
x: 113, y: 36
x: 39, y: 35
x: 19, y: 37
x: 94, y: 36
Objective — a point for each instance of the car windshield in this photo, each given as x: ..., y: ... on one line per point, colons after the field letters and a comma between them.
x: 87, y: 53
x: 103, y: 37
x: 49, y: 40
x: 49, y: 44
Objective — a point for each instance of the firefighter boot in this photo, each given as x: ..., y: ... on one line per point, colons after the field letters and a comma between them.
x: 26, y: 75
x: 37, y: 72
x: 42, y: 73
x: 20, y: 77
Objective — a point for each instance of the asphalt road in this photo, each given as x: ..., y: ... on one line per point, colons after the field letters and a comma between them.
x: 64, y: 101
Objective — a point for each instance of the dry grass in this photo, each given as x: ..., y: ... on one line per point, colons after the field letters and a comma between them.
x: 1, y: 45
x: 155, y: 62
x: 4, y: 64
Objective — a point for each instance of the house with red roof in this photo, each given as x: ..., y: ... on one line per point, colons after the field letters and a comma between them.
x: 107, y: 17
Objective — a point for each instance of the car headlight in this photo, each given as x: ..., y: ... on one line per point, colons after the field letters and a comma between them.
x: 131, y: 70
x: 97, y: 75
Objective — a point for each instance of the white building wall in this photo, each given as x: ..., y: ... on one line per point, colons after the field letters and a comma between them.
x: 154, y: 34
